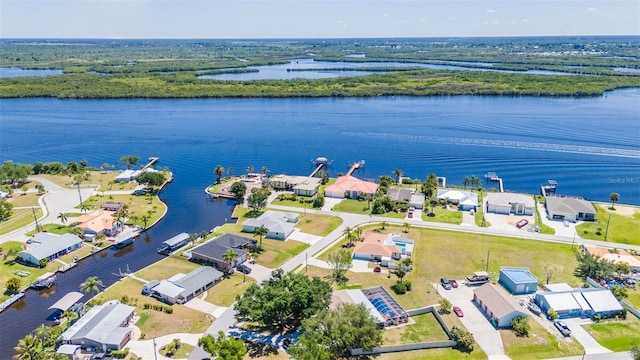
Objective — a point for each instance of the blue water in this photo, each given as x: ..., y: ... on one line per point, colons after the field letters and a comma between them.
x: 589, y: 145
x: 13, y: 72
x: 310, y: 69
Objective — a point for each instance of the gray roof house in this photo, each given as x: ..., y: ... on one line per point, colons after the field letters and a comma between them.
x: 102, y: 327
x: 569, y: 209
x: 213, y: 250
x: 48, y: 246
x: 397, y: 194
x: 181, y: 288
x: 280, y: 224
x: 300, y: 185
x: 510, y: 203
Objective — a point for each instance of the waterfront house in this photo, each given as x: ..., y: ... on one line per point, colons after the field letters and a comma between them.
x: 300, y: 185
x: 213, y: 250
x: 465, y: 200
x: 99, y: 222
x: 181, y: 288
x: 580, y: 302
x: 417, y: 200
x: 569, y: 209
x: 279, y: 224
x: 131, y: 175
x: 497, y: 305
x: 400, y: 195
x: 103, y: 327
x: 510, y: 203
x: 350, y: 187
x: 48, y: 246
x: 376, y: 247
x: 518, y: 281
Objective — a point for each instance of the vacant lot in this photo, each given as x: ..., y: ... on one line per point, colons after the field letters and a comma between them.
x: 442, y: 215
x: 623, y: 227
x: 225, y: 292
x: 18, y: 219
x: 166, y: 268
x: 361, y: 207
x: 540, y: 344
x: 616, y: 335
x: 319, y: 225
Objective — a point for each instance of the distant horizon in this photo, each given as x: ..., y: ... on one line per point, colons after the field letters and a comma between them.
x: 334, y: 38
x: 314, y: 19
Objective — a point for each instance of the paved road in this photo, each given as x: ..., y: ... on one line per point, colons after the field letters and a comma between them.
x: 581, y: 335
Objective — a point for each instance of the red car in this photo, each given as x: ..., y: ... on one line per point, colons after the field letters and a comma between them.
x: 458, y: 311
x: 454, y: 284
x: 522, y: 223
x: 376, y: 269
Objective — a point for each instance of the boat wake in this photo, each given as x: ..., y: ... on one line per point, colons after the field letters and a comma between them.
x: 507, y: 144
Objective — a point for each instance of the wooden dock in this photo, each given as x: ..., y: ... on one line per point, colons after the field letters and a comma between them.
x: 320, y: 166
x: 491, y: 176
x: 354, y: 167
x: 152, y: 161
x: 11, y: 300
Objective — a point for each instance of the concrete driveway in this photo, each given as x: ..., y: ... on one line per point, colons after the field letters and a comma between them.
x: 581, y: 335
x: 476, y: 323
x: 558, y: 226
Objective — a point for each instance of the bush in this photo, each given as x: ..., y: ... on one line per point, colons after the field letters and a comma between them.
x: 596, y: 317
x: 463, y: 339
x: 399, y: 288
x: 622, y: 314
x: 120, y: 354
x: 553, y: 314
x: 445, y: 306
x: 520, y: 326
x: 407, y: 284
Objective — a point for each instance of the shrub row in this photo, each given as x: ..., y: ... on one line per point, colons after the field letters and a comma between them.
x: 163, y: 308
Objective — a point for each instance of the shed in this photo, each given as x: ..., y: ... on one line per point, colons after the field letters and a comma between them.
x: 518, y: 281
x: 71, y: 351
x: 497, y: 305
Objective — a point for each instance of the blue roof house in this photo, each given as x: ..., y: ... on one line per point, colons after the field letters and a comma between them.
x: 518, y: 281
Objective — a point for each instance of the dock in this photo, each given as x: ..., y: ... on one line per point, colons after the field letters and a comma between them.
x: 15, y: 297
x: 125, y: 238
x: 356, y: 166
x: 320, y: 166
x: 493, y: 177
x: 152, y: 161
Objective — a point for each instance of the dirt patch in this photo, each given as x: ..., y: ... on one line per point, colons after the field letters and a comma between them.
x: 620, y: 209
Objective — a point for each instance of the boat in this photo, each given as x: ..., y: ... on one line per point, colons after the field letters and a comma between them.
x: 47, y: 280
x: 478, y: 278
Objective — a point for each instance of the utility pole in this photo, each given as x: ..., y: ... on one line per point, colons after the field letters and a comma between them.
x: 155, y: 353
x: 607, y: 230
x: 79, y: 193
x: 487, y: 265
x: 33, y: 209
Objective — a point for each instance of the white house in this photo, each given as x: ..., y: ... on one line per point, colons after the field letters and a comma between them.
x: 181, y: 288
x: 48, y: 246
x: 103, y: 327
x: 510, y: 203
x: 280, y: 224
x: 465, y: 200
x: 569, y: 209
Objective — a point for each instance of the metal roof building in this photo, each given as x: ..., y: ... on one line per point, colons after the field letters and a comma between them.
x: 579, y: 302
x: 102, y: 327
x: 49, y: 246
x: 518, y: 281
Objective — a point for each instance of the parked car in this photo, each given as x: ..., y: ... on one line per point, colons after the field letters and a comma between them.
x: 410, y: 215
x: 522, y: 223
x: 244, y: 269
x: 445, y: 284
x: 458, y: 311
x: 377, y: 269
x: 564, y: 329
x: 454, y: 284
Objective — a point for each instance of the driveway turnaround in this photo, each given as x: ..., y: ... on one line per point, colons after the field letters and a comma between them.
x: 589, y: 344
x: 476, y: 323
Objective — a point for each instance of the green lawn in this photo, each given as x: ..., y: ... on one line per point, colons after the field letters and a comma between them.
x: 540, y: 344
x: 18, y: 219
x: 479, y: 214
x: 622, y: 228
x: 183, y: 351
x: 138, y: 205
x: 616, y: 335
x: 442, y: 215
x: 166, y: 268
x: 544, y: 229
x: 426, y: 328
x: 434, y: 354
x: 224, y: 293
x: 634, y: 297
x: 319, y: 225
x: 52, y: 228
x: 362, y: 207
x: 277, y: 252
x: 19, y: 199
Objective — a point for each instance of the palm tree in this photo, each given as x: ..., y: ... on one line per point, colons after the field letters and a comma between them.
x: 398, y: 173
x: 265, y: 170
x: 145, y: 219
x: 28, y: 348
x: 193, y: 237
x: 203, y: 234
x: 384, y: 225
x: 229, y: 171
x: 614, y: 197
x: 230, y: 257
x: 357, y: 234
x: 92, y: 284
x: 43, y: 333
x: 347, y: 233
x: 406, y: 227
x: 474, y: 181
x: 465, y: 181
x: 250, y: 169
x: 63, y: 218
x: 219, y: 171
x: 84, y: 207
x: 261, y: 231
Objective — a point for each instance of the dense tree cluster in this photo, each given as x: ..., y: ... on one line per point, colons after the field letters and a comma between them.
x: 284, y: 300
x: 223, y: 348
x: 333, y: 333
x: 14, y: 174
x: 593, y: 267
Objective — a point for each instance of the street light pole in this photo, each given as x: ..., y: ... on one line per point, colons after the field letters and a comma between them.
x: 155, y: 353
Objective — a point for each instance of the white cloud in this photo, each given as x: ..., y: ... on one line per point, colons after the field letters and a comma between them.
x: 451, y: 18
x: 591, y: 10
x: 490, y: 11
x: 526, y: 20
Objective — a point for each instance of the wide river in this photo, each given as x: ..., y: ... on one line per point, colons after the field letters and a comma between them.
x: 591, y: 146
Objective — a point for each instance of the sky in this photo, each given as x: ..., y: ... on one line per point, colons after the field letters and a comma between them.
x: 223, y: 19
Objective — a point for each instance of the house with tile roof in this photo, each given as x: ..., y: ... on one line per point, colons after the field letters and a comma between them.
x: 99, y: 222
x: 350, y: 187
